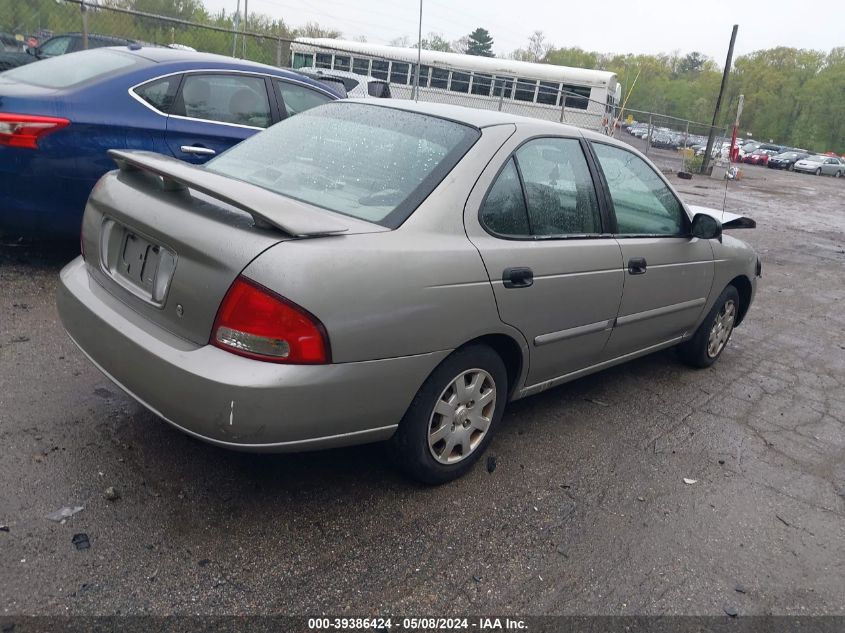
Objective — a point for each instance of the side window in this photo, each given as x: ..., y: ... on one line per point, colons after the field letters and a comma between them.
x: 55, y: 46
x: 298, y: 98
x: 503, y: 210
x: 558, y: 188
x: 237, y: 99
x: 644, y: 205
x: 159, y: 93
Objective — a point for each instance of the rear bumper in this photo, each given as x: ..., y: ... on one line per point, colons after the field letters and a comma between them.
x: 232, y: 401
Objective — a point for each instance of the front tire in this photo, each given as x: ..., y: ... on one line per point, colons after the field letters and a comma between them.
x: 819, y: 171
x: 838, y: 174
x: 711, y: 337
x: 452, y: 418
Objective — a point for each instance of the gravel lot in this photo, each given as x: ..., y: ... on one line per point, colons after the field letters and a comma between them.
x: 586, y: 511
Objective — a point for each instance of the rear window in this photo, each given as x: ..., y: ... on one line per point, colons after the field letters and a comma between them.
x: 66, y: 71
x: 376, y: 164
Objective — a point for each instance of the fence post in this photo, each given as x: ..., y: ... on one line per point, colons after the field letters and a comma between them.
x: 501, y: 94
x: 648, y: 136
x: 562, y: 107
x: 84, y: 11
x: 279, y: 52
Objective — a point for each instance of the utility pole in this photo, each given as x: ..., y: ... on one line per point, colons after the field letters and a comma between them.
x: 709, y: 150
x: 243, y: 37
x: 419, y: 58
x: 235, y: 20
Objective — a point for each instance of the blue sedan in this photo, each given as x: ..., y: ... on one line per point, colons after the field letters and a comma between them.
x: 59, y: 116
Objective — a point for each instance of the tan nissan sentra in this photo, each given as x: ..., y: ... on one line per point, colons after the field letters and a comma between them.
x: 394, y: 271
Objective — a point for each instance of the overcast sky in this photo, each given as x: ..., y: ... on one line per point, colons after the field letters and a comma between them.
x: 648, y: 26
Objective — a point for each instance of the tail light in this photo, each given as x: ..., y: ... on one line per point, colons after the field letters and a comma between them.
x: 24, y: 130
x: 257, y: 323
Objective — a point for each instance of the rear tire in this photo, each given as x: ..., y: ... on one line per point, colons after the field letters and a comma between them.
x: 838, y: 174
x: 819, y: 171
x: 452, y: 418
x: 711, y: 337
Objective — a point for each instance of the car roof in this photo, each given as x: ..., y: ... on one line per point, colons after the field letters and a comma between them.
x: 164, y: 55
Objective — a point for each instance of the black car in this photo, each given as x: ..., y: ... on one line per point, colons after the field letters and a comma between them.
x: 59, y: 45
x: 785, y: 160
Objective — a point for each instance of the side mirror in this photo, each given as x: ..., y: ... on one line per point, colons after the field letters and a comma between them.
x: 706, y: 227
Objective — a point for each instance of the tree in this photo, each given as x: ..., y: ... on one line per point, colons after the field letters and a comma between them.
x: 538, y: 47
x: 313, y: 29
x: 691, y: 63
x: 460, y: 45
x: 435, y: 42
x: 480, y: 43
x: 401, y: 42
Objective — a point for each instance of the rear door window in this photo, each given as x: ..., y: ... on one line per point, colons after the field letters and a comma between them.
x: 56, y: 46
x: 236, y: 99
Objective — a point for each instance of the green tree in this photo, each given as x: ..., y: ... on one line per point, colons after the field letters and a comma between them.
x: 480, y: 43
x: 436, y: 42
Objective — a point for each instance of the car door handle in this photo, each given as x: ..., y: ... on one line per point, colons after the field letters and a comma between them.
x: 518, y: 277
x: 197, y: 149
x: 637, y: 265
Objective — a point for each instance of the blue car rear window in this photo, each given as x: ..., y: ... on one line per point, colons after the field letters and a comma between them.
x: 66, y: 71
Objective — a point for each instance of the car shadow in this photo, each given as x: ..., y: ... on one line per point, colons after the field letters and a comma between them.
x: 37, y: 254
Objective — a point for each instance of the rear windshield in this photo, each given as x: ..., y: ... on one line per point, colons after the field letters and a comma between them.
x: 369, y: 162
x: 65, y: 71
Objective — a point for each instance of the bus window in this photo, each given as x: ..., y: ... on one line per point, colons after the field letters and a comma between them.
x: 324, y: 60
x: 503, y: 86
x: 524, y: 90
x: 399, y: 73
x: 460, y: 82
x: 380, y: 69
x: 303, y: 60
x: 361, y: 66
x: 577, y: 96
x: 439, y: 78
x: 481, y: 84
x: 547, y: 93
x: 424, y: 73
x: 341, y: 62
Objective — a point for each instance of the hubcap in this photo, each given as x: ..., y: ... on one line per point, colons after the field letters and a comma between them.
x: 462, y: 416
x: 722, y: 328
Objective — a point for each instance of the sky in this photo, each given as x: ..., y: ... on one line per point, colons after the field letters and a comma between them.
x: 611, y: 26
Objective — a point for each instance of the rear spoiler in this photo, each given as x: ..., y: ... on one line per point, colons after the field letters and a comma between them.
x: 268, y: 209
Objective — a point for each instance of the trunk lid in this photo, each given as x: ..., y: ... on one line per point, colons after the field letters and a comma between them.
x: 168, y: 238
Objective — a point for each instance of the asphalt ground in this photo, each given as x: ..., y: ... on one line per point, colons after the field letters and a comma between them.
x: 585, y: 512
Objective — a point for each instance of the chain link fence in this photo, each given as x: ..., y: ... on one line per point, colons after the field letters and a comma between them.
x: 673, y: 144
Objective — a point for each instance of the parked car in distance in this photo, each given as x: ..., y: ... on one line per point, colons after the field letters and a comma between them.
x: 663, y: 141
x: 355, y: 85
x: 59, y: 45
x: 759, y: 156
x: 292, y: 293
x: 820, y: 165
x: 59, y: 117
x: 785, y: 160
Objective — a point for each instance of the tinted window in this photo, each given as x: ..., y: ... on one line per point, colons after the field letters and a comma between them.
x: 503, y: 210
x: 299, y: 98
x: 399, y: 73
x: 159, y: 93
x: 547, y: 93
x: 324, y: 60
x: 577, y: 96
x: 460, y: 82
x: 439, y: 78
x: 558, y: 188
x: 366, y: 161
x: 341, y: 62
x: 237, y: 99
x: 361, y: 66
x: 481, y: 84
x: 643, y: 203
x: 65, y: 71
x: 378, y: 89
x: 524, y: 90
x: 380, y: 69
x: 303, y: 60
